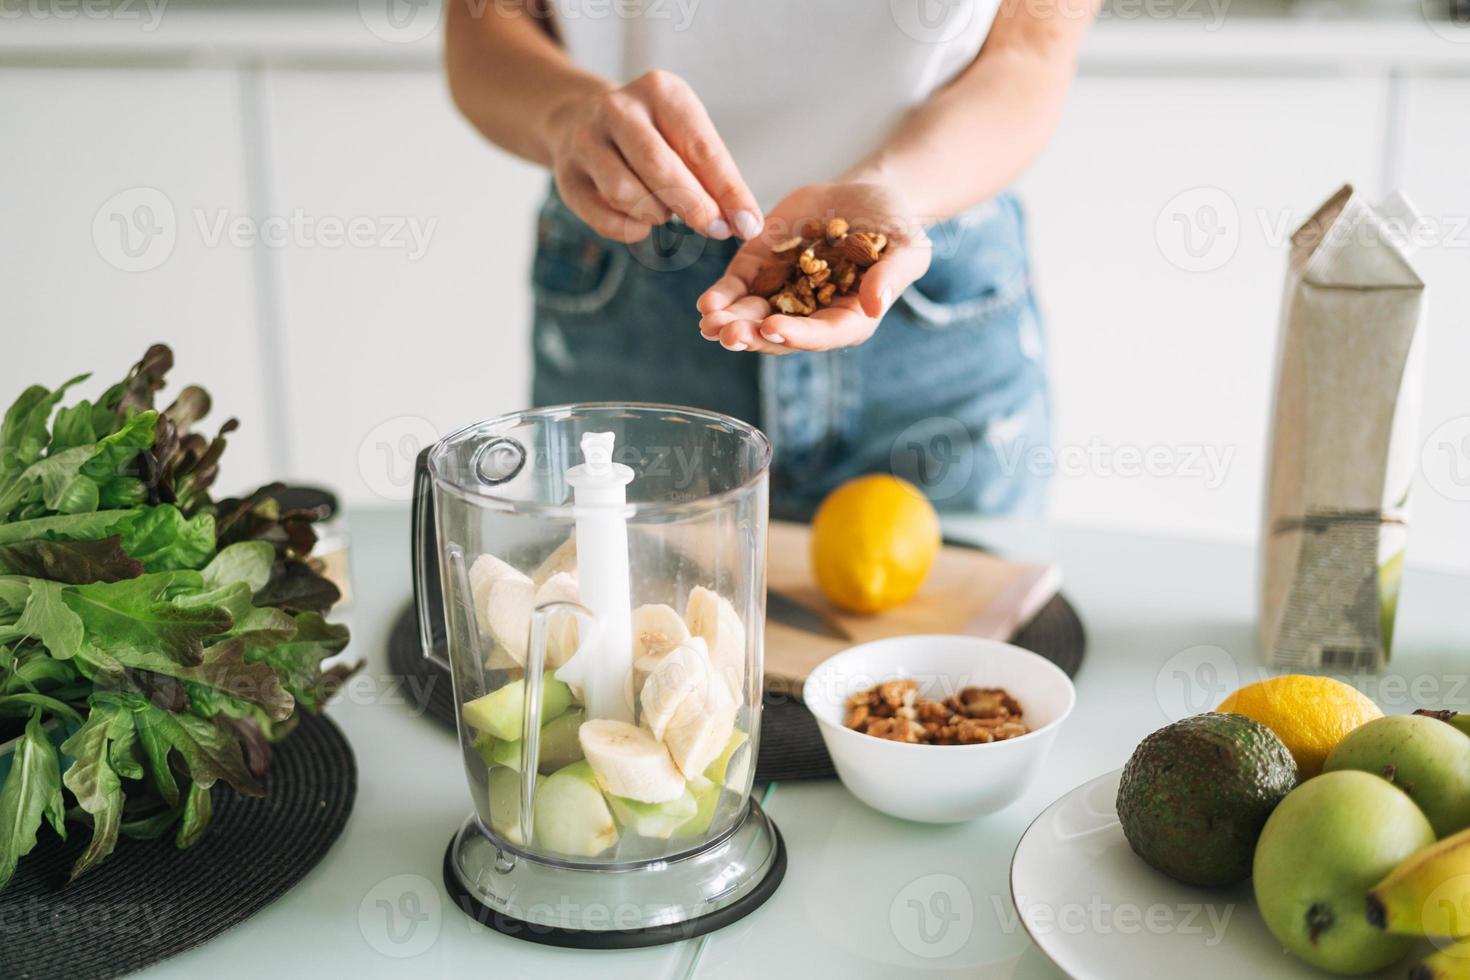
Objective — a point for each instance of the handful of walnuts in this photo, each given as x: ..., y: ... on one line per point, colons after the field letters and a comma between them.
x: 894, y: 710
x: 812, y: 269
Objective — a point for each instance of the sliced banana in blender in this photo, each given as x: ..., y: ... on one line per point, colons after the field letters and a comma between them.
x: 561, y: 628
x: 701, y: 728
x: 680, y: 674
x: 562, y: 559
x: 629, y: 761
x: 657, y: 629
x: 485, y: 572
x: 711, y: 617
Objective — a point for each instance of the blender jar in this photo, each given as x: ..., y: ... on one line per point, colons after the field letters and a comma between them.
x: 601, y: 572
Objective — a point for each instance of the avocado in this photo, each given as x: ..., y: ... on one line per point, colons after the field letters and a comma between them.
x: 1195, y: 794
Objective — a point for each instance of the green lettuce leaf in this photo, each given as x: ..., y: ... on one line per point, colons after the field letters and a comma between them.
x: 30, y: 792
x: 136, y: 620
x: 298, y: 660
x: 93, y: 781
x: 163, y: 539
x: 48, y: 618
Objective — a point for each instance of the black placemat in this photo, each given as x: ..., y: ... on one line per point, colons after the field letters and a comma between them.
x: 791, y: 745
x: 150, y: 900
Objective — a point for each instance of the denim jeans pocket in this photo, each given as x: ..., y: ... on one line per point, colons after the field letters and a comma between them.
x: 575, y: 270
x: 979, y: 268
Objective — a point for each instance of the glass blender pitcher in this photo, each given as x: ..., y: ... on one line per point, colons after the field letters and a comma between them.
x: 597, y: 574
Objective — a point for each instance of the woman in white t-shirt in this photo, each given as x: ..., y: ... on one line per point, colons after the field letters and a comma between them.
x: 686, y: 137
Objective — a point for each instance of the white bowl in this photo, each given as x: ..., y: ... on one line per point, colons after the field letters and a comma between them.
x: 939, y: 783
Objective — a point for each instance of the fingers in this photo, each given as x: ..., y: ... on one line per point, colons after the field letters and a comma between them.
x: 580, y: 194
x: 620, y: 187
x: 827, y: 329
x: 900, y: 268
x: 661, y: 169
x: 686, y: 125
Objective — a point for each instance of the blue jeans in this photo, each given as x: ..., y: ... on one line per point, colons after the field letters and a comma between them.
x: 949, y: 393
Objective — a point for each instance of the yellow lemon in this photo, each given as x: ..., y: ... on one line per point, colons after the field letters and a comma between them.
x: 873, y: 542
x: 1310, y: 714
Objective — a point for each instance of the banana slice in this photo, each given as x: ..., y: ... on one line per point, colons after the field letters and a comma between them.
x: 630, y: 762
x: 657, y: 629
x: 563, y: 559
x: 683, y: 673
x: 507, y: 606
x: 710, y: 616
x: 561, y: 628
x: 701, y: 728
x: 485, y: 572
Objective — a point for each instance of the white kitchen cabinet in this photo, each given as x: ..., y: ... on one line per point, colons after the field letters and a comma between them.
x: 396, y: 338
x: 105, y: 175
x: 1157, y: 348
x: 1435, y: 148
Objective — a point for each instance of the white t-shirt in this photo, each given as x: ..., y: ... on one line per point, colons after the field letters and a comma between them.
x: 800, y: 90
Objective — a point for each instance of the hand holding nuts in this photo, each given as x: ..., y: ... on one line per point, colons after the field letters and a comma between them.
x: 811, y: 270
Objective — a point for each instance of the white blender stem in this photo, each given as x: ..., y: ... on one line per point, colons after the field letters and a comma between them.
x: 599, y: 492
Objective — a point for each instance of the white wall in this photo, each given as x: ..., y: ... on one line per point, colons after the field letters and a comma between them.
x: 343, y: 358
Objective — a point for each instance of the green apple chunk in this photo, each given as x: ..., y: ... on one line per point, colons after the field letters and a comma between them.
x: 1422, y: 756
x: 658, y: 820
x: 500, y: 712
x: 706, y: 794
x: 571, y: 815
x: 505, y: 803
x: 559, y: 745
x: 1328, y: 842
x: 720, y: 770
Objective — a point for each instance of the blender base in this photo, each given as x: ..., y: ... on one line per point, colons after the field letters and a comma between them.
x: 617, y: 907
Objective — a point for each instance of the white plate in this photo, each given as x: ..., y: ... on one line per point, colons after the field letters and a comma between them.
x: 1098, y: 911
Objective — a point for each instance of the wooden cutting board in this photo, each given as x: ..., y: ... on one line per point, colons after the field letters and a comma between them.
x: 968, y: 591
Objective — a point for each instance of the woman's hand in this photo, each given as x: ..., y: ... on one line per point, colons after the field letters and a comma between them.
x: 742, y: 321
x: 626, y: 158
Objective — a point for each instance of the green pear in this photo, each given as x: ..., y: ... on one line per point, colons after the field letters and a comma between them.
x: 501, y: 712
x: 721, y: 771
x: 1424, y: 757
x: 1323, y: 848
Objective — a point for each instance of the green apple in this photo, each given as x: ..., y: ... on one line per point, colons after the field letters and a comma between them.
x: 571, y: 814
x: 706, y: 794
x: 500, y: 712
x: 720, y: 770
x: 505, y: 803
x: 1424, y: 757
x: 657, y: 820
x: 1331, y: 840
x: 559, y: 745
